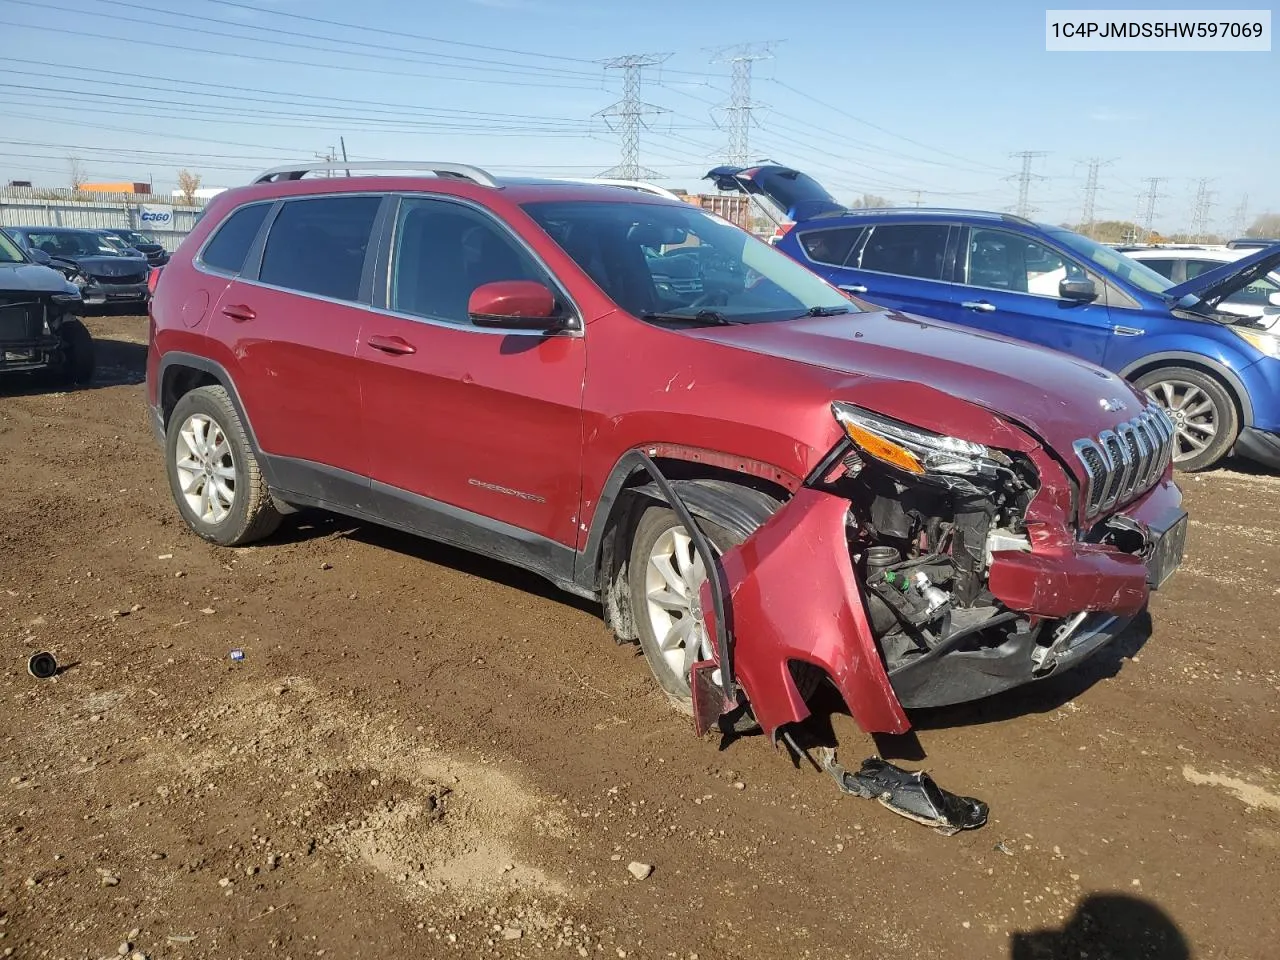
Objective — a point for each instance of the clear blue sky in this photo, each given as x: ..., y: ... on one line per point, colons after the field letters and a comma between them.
x: 929, y: 96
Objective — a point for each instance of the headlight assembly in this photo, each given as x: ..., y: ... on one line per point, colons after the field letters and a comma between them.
x: 917, y: 451
x: 1263, y: 340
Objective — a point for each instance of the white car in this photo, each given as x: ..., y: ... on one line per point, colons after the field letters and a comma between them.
x: 1260, y: 299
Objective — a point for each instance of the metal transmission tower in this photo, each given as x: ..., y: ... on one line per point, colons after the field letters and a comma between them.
x: 629, y: 113
x: 1149, y: 199
x: 1091, y: 193
x: 1240, y: 219
x: 741, y: 57
x: 1200, y: 211
x: 1024, y: 179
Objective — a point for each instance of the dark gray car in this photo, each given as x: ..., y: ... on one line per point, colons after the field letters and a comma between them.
x: 39, y: 329
x: 100, y: 270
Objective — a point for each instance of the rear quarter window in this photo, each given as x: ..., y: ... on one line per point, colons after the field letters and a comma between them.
x: 231, y: 242
x: 830, y: 247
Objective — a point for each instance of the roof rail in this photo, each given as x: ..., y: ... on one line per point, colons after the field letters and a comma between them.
x: 935, y: 211
x: 638, y: 185
x: 456, y: 171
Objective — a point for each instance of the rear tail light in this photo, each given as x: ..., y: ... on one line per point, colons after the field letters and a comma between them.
x: 153, y: 277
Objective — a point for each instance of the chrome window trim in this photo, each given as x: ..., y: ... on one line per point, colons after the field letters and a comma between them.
x: 576, y: 327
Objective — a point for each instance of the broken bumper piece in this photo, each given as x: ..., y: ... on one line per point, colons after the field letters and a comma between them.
x: 914, y: 795
x: 960, y: 676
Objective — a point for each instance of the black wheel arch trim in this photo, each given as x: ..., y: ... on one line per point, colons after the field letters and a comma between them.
x: 709, y: 498
x: 219, y: 373
x: 1225, y: 373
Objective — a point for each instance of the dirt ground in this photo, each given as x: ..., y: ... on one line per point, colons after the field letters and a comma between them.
x: 422, y: 754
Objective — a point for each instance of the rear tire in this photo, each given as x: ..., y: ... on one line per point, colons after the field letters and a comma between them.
x: 1202, y: 410
x: 78, y: 355
x: 213, y: 474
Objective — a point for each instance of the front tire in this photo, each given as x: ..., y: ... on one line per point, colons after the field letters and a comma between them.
x: 1202, y: 410
x: 78, y: 360
x: 213, y: 474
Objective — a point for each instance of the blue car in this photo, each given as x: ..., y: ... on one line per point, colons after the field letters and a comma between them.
x: 1217, y: 374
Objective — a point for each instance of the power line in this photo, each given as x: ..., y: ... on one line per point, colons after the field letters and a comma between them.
x: 1091, y: 193
x: 1200, y: 208
x: 1149, y: 198
x: 1024, y: 179
x: 741, y: 58
x: 629, y: 112
x: 1240, y: 219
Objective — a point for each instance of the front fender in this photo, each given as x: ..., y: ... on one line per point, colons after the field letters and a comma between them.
x: 793, y: 596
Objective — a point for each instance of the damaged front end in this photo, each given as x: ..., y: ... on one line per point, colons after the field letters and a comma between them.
x: 921, y: 570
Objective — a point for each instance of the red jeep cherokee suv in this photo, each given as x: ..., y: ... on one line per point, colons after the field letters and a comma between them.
x: 919, y: 513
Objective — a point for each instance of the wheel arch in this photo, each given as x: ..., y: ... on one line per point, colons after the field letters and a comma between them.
x: 1207, y: 365
x: 180, y: 373
x: 735, y: 499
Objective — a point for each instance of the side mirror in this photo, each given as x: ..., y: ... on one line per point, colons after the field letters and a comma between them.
x: 513, y: 305
x: 1084, y: 291
x: 39, y: 256
x: 1274, y: 299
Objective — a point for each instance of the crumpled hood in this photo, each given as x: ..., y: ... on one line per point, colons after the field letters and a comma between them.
x: 32, y: 278
x: 1057, y: 397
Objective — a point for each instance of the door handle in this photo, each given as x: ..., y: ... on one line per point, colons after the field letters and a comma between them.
x: 853, y: 288
x: 1121, y: 331
x: 393, y: 345
x: 980, y: 305
x: 238, y: 312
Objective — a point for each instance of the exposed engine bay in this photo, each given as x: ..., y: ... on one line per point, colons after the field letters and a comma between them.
x: 923, y: 549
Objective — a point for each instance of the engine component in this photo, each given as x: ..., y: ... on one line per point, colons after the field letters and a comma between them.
x: 934, y: 598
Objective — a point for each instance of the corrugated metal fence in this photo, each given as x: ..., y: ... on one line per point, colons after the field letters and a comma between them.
x: 28, y: 206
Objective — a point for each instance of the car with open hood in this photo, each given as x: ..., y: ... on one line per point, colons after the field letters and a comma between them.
x: 918, y: 513
x: 1216, y: 372
x: 1260, y: 298
x: 104, y: 272
x: 40, y: 331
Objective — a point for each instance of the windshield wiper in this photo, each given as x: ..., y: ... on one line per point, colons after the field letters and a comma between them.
x: 714, y: 317
x: 826, y: 311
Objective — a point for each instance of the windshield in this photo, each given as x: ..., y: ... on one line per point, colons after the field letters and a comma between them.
x: 1114, y: 262
x: 133, y: 236
x: 663, y: 262
x: 9, y: 252
x: 73, y: 243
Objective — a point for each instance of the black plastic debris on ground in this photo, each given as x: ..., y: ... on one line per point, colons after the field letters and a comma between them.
x: 42, y: 666
x: 913, y: 795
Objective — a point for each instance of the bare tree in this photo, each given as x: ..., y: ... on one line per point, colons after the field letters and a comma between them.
x: 188, y: 184
x: 1265, y: 225
x: 78, y: 176
x: 870, y: 201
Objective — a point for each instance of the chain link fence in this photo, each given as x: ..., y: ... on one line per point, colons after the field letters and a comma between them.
x: 33, y: 207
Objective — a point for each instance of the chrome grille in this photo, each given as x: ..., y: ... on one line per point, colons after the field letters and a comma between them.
x: 1119, y: 464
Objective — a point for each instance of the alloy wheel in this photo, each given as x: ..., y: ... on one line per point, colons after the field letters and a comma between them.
x: 206, y: 468
x: 673, y: 577
x: 1194, y: 415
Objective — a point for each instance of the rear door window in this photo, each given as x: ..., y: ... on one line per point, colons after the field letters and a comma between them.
x: 318, y: 245
x: 906, y: 250
x: 1162, y: 267
x: 231, y: 242
x: 830, y: 247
